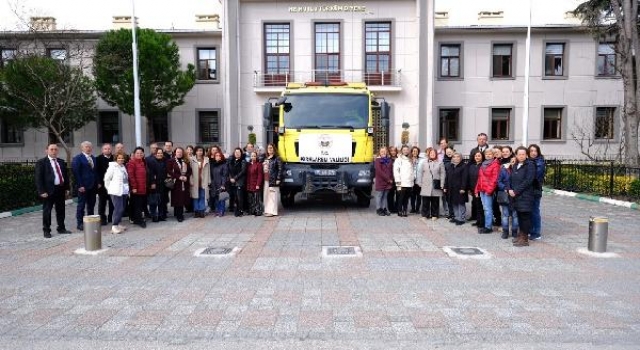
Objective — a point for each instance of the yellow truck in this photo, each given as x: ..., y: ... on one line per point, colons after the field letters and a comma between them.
x: 324, y: 136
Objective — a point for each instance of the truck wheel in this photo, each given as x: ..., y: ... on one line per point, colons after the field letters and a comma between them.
x: 364, y: 199
x: 287, y: 199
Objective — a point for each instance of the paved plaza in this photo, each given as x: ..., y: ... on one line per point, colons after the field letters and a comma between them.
x: 277, y: 290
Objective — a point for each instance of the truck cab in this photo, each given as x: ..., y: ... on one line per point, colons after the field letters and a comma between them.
x: 324, y: 135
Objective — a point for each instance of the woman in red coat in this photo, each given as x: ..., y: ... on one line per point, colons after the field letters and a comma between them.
x: 255, y: 177
x: 137, y: 173
x: 486, y: 186
x: 178, y: 169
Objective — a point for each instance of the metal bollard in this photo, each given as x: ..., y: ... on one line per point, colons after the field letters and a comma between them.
x: 92, y: 232
x: 598, y: 232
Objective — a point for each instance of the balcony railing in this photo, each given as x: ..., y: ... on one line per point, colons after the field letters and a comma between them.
x: 383, y: 79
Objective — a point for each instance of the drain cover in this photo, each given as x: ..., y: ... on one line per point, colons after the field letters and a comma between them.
x: 342, y: 251
x: 216, y: 251
x: 466, y: 252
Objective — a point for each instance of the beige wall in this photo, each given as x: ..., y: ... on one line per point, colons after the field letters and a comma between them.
x: 476, y: 93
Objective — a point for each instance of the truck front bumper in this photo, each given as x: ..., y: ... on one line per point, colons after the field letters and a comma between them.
x: 318, y: 178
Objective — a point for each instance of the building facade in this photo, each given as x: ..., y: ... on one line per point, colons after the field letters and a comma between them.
x: 451, y: 70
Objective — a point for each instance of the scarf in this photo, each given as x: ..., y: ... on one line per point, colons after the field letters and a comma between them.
x: 385, y: 160
x: 486, y: 163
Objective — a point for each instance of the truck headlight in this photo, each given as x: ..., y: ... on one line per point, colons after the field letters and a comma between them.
x: 364, y: 173
x: 288, y: 172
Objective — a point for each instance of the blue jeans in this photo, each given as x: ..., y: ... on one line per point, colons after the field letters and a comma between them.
x: 118, y: 208
x: 199, y: 203
x: 381, y: 199
x: 487, y: 205
x: 506, y: 213
x: 536, y: 218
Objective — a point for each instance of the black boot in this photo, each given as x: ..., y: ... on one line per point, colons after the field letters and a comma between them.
x: 505, y: 233
x: 155, y: 219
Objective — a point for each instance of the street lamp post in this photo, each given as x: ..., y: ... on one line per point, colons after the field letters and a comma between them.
x: 525, y: 112
x: 136, y: 81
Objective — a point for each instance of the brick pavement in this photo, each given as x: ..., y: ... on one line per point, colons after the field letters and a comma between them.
x: 148, y: 290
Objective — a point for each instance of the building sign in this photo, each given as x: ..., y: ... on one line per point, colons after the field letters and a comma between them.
x: 327, y: 8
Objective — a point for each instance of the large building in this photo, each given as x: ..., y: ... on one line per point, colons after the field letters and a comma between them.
x: 452, y: 71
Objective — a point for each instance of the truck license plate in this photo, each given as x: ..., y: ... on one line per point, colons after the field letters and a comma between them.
x: 325, y: 172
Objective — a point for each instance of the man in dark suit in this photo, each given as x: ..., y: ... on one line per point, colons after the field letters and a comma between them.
x: 84, y: 172
x: 52, y: 184
x: 102, y: 163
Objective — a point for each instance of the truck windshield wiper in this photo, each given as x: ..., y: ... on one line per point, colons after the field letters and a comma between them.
x: 298, y: 127
x: 337, y: 127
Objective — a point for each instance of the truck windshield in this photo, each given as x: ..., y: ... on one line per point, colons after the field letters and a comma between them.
x: 340, y: 111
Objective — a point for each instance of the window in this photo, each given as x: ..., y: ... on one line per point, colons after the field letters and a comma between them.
x: 57, y: 54
x: 378, y: 53
x: 450, y: 123
x: 552, y: 124
x: 605, y: 122
x: 500, y: 123
x: 277, y: 53
x: 450, y: 61
x: 160, y: 127
x: 606, y: 61
x: 209, y: 122
x: 207, y: 64
x: 327, y: 52
x: 108, y: 127
x: 554, y: 60
x: 6, y: 55
x: 9, y: 133
x: 502, y: 60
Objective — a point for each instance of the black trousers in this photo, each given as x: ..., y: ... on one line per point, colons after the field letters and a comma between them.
x: 103, y: 199
x: 416, y: 199
x: 236, y: 198
x: 392, y: 204
x: 524, y: 222
x: 403, y: 198
x: 430, y: 206
x: 138, y: 203
x: 477, y: 211
x: 57, y: 200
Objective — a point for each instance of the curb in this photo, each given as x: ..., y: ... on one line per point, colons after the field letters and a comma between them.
x: 17, y: 212
x: 592, y: 198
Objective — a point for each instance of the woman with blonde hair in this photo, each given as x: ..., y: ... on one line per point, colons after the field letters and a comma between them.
x: 432, y: 179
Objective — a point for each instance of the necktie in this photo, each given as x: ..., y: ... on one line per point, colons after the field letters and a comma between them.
x: 55, y: 161
x: 90, y: 160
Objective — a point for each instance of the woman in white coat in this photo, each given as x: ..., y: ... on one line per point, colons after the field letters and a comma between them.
x: 432, y: 179
x: 404, y: 177
x: 116, y: 182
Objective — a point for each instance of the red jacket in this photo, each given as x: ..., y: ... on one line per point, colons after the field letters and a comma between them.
x: 488, y: 178
x: 255, y: 176
x: 137, y: 171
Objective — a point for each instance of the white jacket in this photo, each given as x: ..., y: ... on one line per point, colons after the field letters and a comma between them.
x: 403, y: 172
x: 115, y: 179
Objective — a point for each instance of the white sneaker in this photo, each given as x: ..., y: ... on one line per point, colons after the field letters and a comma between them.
x: 115, y: 230
x: 122, y: 228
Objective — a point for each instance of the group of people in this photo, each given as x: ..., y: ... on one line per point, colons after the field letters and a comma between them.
x: 191, y: 179
x: 504, y: 187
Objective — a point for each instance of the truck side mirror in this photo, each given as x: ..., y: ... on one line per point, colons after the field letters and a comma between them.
x: 384, y: 113
x: 266, y: 114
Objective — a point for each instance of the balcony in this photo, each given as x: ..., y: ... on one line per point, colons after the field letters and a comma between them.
x: 377, y: 81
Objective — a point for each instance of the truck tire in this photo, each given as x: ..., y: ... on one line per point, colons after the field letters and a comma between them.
x: 287, y: 198
x: 364, y: 198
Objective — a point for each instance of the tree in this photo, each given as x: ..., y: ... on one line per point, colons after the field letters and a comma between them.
x: 163, y: 85
x: 45, y: 93
x: 618, y: 19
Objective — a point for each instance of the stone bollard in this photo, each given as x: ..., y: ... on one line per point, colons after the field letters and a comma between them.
x: 92, y: 233
x: 598, y: 232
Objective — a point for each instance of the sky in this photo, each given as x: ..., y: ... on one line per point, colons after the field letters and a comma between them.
x: 97, y: 14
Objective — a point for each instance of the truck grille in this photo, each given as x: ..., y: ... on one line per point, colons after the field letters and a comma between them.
x: 325, y: 166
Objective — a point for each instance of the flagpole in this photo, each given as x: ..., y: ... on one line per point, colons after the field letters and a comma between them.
x: 136, y: 81
x: 525, y: 112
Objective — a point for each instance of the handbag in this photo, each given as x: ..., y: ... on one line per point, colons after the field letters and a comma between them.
x: 169, y: 183
x: 437, y: 185
x: 503, y: 197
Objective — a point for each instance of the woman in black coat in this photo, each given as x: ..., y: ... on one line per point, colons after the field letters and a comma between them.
x: 219, y: 176
x: 237, y: 179
x: 156, y: 174
x: 522, y: 194
x: 455, y: 186
x: 477, y: 212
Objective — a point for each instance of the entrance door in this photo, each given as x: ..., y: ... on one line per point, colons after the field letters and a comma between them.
x: 380, y: 131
